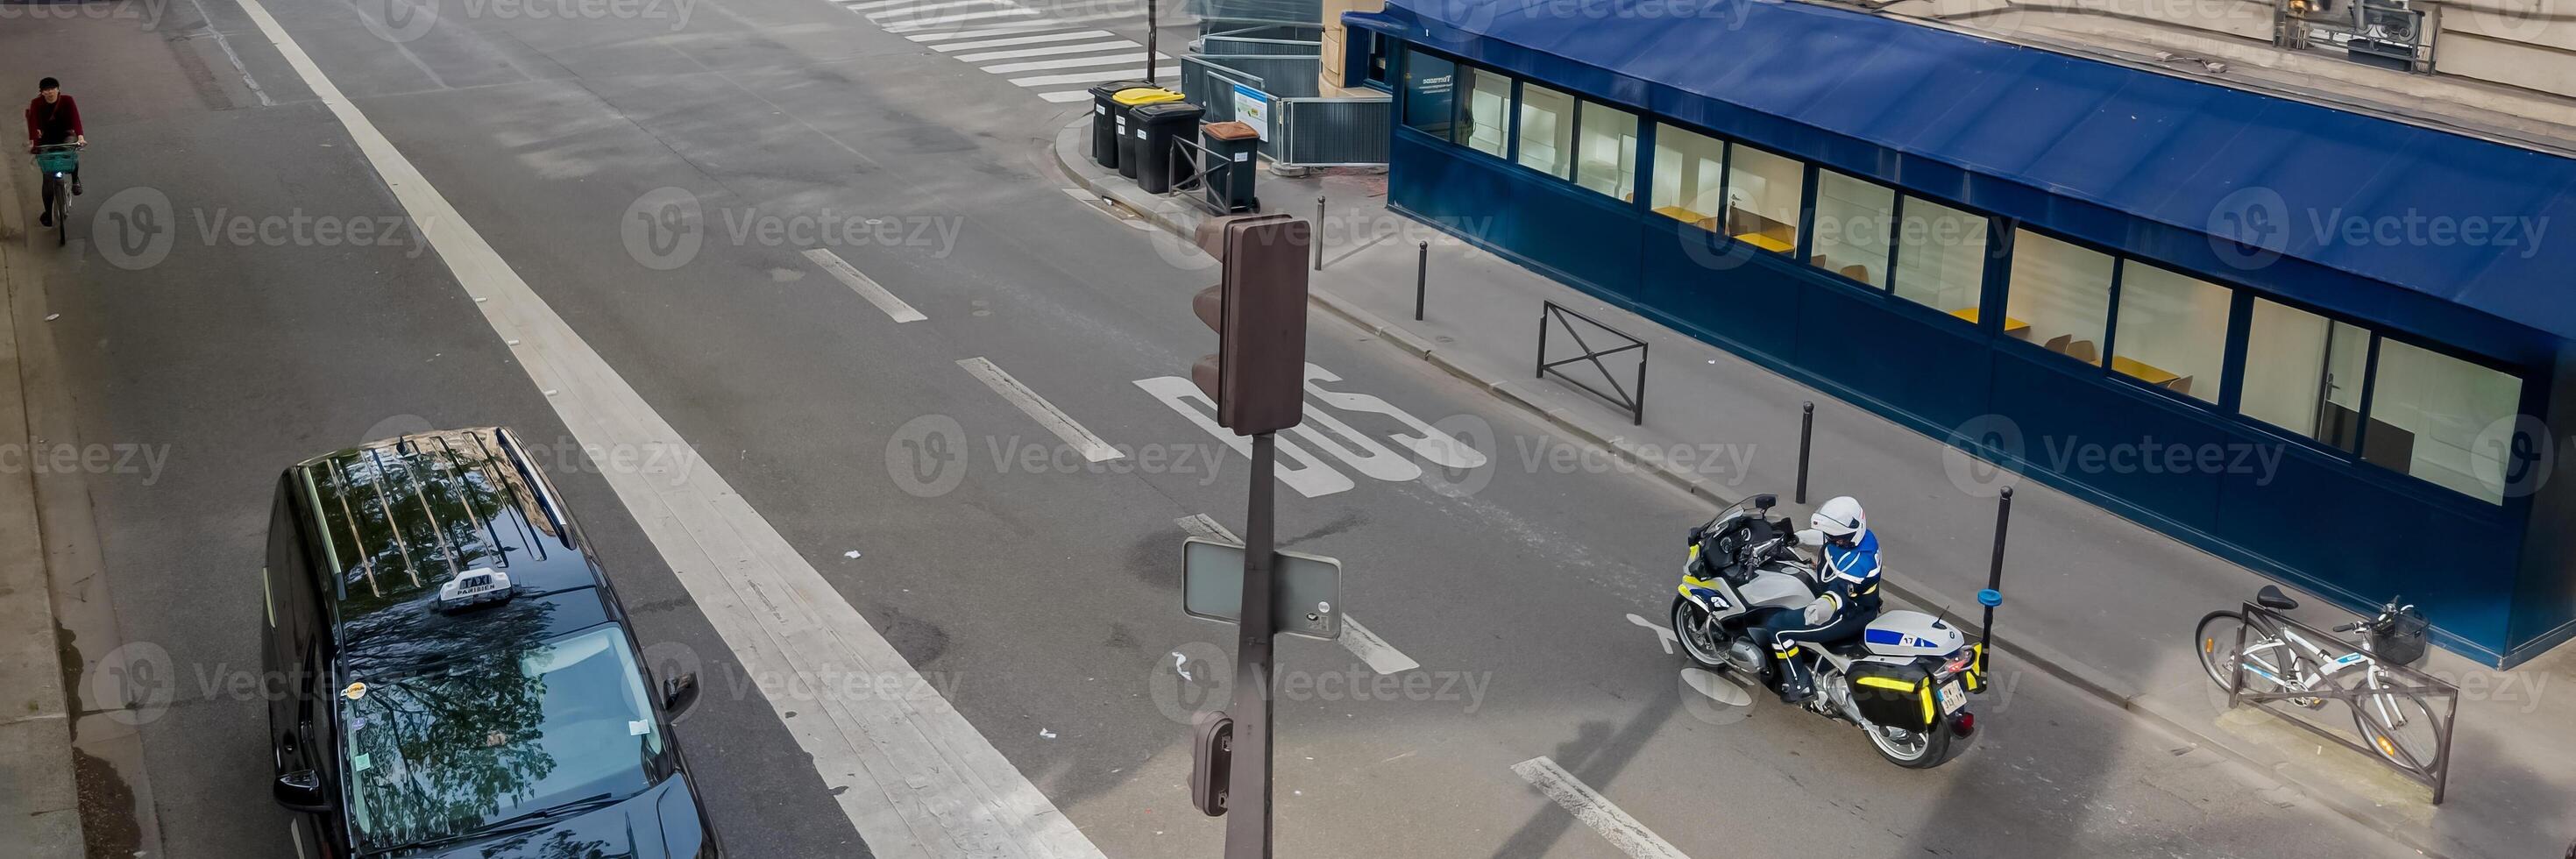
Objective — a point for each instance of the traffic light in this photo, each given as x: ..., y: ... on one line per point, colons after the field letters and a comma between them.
x: 1258, y: 375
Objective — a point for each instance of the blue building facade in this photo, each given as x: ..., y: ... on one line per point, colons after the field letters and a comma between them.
x: 2028, y: 253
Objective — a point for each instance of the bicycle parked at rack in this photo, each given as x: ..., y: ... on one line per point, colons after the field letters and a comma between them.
x: 56, y: 163
x: 2277, y: 661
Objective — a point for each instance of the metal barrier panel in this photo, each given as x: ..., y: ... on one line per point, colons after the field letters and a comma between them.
x: 1241, y: 46
x: 1333, y: 132
x: 1286, y: 77
x: 1260, y: 11
x: 1211, y: 87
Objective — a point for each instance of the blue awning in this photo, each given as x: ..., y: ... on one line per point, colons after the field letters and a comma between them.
x: 2280, y: 175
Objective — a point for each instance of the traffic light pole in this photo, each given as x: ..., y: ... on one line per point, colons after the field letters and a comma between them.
x: 1247, y: 815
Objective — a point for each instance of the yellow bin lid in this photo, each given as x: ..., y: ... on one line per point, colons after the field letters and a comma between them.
x: 1145, y: 95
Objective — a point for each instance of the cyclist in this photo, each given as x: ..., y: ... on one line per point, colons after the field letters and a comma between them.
x: 54, y: 118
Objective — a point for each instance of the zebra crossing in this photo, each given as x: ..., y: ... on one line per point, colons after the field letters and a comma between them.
x: 1057, y: 56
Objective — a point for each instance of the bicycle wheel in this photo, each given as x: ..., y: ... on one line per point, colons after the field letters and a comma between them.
x: 62, y: 213
x: 2216, y: 640
x: 2393, y: 722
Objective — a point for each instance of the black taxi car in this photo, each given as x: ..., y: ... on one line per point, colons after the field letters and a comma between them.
x: 457, y: 676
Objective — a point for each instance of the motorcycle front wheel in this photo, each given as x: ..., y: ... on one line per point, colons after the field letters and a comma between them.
x: 1914, y: 750
x: 1690, y: 626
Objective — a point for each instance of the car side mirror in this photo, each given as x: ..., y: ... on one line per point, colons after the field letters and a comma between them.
x: 301, y: 790
x: 679, y: 694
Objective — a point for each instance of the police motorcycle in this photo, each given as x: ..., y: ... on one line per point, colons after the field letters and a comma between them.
x: 1905, y: 682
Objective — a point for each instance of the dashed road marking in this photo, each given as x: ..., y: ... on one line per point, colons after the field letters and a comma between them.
x: 1038, y: 409
x: 1595, y: 811
x: 842, y: 270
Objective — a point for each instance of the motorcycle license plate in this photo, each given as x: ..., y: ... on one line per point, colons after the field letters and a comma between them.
x: 1952, y: 697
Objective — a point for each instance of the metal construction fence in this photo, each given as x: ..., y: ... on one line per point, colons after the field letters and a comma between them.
x: 1332, y: 132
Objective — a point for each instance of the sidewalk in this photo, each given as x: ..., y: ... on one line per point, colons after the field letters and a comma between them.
x: 2103, y: 602
x: 39, y: 794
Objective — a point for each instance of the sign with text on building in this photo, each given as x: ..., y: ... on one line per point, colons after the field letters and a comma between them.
x: 1252, y: 107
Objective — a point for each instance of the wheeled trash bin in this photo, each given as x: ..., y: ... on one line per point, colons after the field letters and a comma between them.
x: 1120, y: 106
x: 1156, y: 126
x: 1104, y: 129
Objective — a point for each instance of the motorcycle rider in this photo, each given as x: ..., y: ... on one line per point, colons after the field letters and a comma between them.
x: 1847, y: 576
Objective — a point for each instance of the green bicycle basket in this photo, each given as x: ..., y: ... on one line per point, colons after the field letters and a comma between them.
x: 61, y: 161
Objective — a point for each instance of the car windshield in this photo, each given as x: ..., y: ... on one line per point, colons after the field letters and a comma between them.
x: 482, y: 737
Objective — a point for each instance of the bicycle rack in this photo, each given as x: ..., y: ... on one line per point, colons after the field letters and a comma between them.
x: 2426, y: 686
x: 1633, y: 401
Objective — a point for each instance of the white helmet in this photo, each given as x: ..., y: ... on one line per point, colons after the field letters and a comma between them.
x: 1839, y: 517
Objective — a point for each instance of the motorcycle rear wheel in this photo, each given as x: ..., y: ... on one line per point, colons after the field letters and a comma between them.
x: 1914, y: 750
x: 1690, y: 623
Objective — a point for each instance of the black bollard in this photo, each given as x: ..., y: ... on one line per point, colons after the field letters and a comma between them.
x: 1421, y: 274
x: 1806, y: 433
x: 1993, y: 595
x: 1319, y: 229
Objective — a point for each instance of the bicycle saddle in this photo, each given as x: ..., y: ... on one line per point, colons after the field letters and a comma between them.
x: 2272, y: 598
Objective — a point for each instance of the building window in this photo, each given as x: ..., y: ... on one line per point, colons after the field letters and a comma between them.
x: 1547, y: 131
x: 2427, y: 412
x: 1941, y: 259
x: 1763, y: 193
x: 1486, y: 114
x: 1376, y: 71
x: 1690, y: 177
x: 1430, y: 101
x: 2172, y: 332
x: 1607, y: 152
x: 2303, y: 373
x: 2060, y: 296
x: 1852, y: 220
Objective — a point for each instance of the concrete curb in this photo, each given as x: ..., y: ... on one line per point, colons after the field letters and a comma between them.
x: 1177, y: 218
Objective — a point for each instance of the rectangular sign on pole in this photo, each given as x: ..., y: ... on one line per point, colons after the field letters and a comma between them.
x: 1308, y: 588
x: 1252, y: 107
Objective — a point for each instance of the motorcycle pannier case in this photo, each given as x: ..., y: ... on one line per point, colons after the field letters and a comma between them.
x: 1897, y: 696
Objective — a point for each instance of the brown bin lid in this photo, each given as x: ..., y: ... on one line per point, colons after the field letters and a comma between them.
x: 1229, y: 131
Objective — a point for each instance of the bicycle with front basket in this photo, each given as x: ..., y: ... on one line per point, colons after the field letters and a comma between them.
x: 56, y: 163
x: 2277, y: 660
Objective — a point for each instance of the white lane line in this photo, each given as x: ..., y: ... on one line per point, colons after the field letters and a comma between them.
x: 876, y: 4
x: 848, y: 274
x: 913, y: 776
x: 909, y: 26
x: 1086, y: 77
x: 1045, y: 413
x: 1624, y: 832
x: 1026, y: 40
x: 1064, y: 96
x: 896, y: 16
x: 1053, y: 50
x: 1381, y: 657
x: 1022, y: 27
x: 1072, y: 63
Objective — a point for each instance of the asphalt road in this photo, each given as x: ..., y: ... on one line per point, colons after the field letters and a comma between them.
x: 1035, y: 589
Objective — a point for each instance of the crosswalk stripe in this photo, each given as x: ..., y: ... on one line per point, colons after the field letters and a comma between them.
x: 984, y: 32
x: 1025, y: 40
x: 873, y: 4
x: 1093, y: 47
x: 1071, y: 63
x: 897, y: 15
x: 1070, y: 95
x: 951, y: 19
x: 1087, y: 77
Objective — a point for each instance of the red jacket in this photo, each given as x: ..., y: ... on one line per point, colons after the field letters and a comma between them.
x: 59, y: 121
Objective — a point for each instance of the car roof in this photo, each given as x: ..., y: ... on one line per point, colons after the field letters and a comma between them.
x: 400, y: 518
